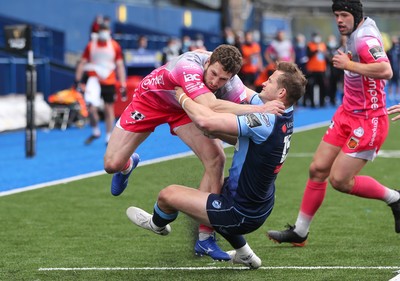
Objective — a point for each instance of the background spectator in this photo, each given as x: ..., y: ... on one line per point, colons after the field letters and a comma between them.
x: 280, y: 49
x: 170, y: 51
x: 394, y: 58
x: 316, y: 69
x: 103, y: 62
x: 252, y: 60
x: 300, y: 49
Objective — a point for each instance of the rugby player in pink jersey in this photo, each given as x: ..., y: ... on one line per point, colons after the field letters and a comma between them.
x: 209, y: 79
x: 358, y: 128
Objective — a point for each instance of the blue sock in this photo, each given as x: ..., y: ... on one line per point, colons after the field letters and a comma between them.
x: 160, y: 218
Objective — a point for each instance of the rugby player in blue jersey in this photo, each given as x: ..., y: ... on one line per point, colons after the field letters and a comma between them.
x: 262, y: 142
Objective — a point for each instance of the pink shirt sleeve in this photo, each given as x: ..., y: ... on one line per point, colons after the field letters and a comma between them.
x: 189, y: 76
x: 370, y: 50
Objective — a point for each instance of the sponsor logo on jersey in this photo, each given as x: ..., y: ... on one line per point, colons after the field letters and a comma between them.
x: 192, y: 87
x: 136, y: 115
x: 353, y: 143
x: 252, y: 120
x: 151, y: 81
x: 374, y: 121
x: 377, y: 52
x: 191, y: 77
x: 359, y: 132
x: 266, y: 120
x: 216, y: 204
x: 289, y: 127
x: 372, y: 91
x: 284, y: 128
x: 191, y: 66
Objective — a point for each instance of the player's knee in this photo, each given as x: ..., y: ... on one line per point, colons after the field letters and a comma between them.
x: 165, y: 195
x: 318, y: 172
x: 111, y: 166
x: 338, y: 184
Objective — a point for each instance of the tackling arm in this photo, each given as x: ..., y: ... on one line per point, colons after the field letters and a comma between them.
x: 209, y: 100
x: 210, y: 122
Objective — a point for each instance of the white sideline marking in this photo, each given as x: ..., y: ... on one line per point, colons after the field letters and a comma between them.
x: 216, y: 268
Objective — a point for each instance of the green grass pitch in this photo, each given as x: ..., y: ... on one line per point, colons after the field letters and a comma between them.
x: 78, y: 231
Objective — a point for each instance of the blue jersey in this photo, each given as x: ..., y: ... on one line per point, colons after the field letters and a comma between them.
x: 262, y: 147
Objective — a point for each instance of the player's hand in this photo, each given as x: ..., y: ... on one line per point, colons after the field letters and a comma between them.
x: 274, y: 107
x: 340, y: 60
x: 122, y: 91
x: 394, y: 109
x: 178, y: 92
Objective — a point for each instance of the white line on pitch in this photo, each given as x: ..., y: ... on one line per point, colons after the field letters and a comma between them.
x: 217, y: 268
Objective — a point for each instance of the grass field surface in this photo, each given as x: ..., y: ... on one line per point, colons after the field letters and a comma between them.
x: 78, y: 231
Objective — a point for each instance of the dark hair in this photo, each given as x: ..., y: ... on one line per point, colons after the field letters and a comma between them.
x: 293, y: 80
x: 229, y: 57
x: 353, y: 7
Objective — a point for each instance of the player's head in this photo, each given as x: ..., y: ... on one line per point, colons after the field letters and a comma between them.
x: 287, y: 79
x: 354, y: 7
x: 104, y: 32
x: 229, y: 57
x: 224, y: 63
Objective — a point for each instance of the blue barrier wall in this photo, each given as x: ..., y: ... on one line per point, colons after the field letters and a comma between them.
x: 75, y: 17
x: 51, y: 77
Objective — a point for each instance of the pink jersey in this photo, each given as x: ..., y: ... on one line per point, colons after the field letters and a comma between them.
x: 364, y: 96
x: 158, y: 88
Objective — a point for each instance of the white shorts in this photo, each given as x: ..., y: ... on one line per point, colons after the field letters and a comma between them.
x: 93, y: 92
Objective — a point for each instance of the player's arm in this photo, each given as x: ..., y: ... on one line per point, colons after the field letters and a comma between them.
x: 121, y: 72
x: 209, y: 100
x: 394, y: 109
x: 79, y: 69
x: 376, y: 70
x: 210, y: 122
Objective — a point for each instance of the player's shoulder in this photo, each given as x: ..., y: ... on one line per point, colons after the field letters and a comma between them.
x: 189, y: 62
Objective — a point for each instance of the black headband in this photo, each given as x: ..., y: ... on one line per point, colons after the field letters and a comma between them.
x: 354, y: 7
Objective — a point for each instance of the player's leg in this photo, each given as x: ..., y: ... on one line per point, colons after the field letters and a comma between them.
x: 171, y: 200
x: 108, y: 93
x: 93, y: 100
x: 344, y: 177
x: 313, y: 197
x: 120, y: 158
x: 242, y: 253
x: 210, y: 153
x: 193, y: 203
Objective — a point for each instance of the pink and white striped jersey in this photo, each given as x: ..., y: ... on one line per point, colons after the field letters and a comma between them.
x: 186, y: 71
x: 364, y: 96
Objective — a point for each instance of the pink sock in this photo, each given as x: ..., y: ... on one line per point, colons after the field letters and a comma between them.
x: 205, y: 229
x: 313, y: 197
x: 127, y: 165
x: 368, y: 187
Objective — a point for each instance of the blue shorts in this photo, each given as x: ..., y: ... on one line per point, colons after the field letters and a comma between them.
x: 226, y: 219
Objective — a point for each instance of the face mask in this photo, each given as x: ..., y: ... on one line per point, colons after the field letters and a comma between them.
x: 317, y: 39
x: 230, y: 40
x: 332, y: 44
x: 104, y: 35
